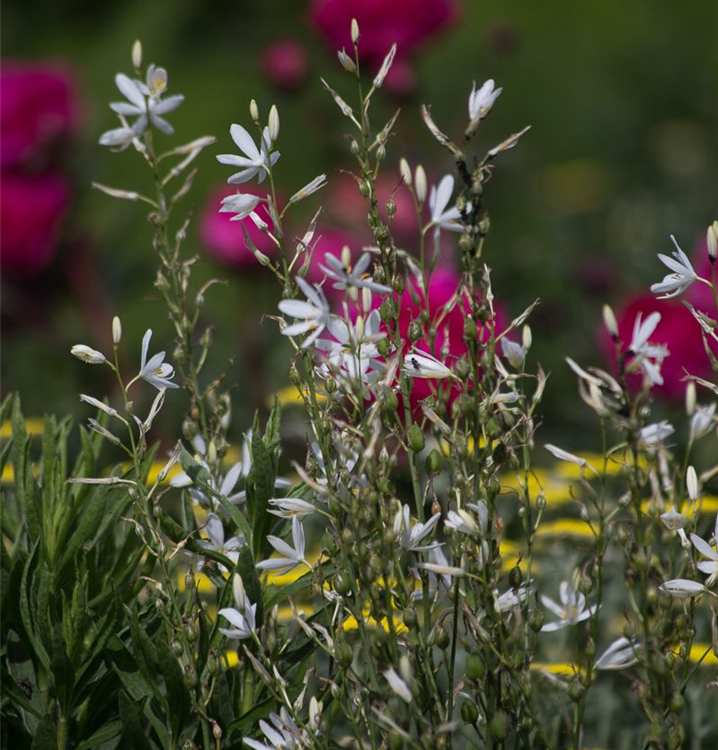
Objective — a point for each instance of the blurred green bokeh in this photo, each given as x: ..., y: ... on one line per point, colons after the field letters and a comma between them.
x: 623, y: 102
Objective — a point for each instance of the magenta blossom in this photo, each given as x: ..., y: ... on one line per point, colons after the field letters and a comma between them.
x: 31, y: 211
x: 38, y: 107
x: 381, y: 23
x: 284, y: 63
x: 224, y: 238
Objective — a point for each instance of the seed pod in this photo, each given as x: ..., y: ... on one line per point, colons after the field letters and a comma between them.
x: 469, y: 712
x: 343, y: 654
x: 475, y: 667
x: 434, y: 462
x: 342, y: 583
x: 417, y: 441
x: 442, y: 639
x: 499, y: 726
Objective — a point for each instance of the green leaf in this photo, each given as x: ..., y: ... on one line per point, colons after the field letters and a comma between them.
x: 248, y: 721
x: 62, y: 672
x: 133, y: 733
x: 261, y: 479
x: 103, y: 737
x: 46, y: 734
x: 177, y: 696
x: 295, y: 587
x: 90, y: 518
x: 25, y: 613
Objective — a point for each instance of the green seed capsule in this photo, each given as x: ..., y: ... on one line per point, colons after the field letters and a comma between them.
x: 417, y: 441
x: 499, y: 726
x: 434, y: 462
x: 442, y: 639
x: 469, y: 712
x: 343, y: 654
x: 475, y: 667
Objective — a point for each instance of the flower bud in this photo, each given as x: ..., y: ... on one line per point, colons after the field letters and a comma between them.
x: 609, y: 320
x: 88, y: 355
x: 712, y: 241
x: 690, y: 398
x: 273, y: 123
x: 405, y: 171
x: 420, y: 184
x: 254, y: 111
x: 355, y: 31
x: 116, y: 330
x: 137, y: 54
x: 346, y: 62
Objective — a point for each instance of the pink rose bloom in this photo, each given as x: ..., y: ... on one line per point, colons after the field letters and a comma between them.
x: 678, y: 331
x: 224, y: 238
x: 38, y: 106
x: 284, y: 63
x: 381, y: 23
x: 31, y: 211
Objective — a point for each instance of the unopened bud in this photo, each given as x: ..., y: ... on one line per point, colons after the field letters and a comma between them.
x: 420, y: 184
x: 712, y: 241
x: 355, y: 31
x: 137, y: 54
x: 527, y: 338
x: 609, y: 320
x: 116, y: 330
x: 405, y: 171
x: 273, y: 123
x: 254, y: 110
x: 690, y: 398
x: 346, y: 62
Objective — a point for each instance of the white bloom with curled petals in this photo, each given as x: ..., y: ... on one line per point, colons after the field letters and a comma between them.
x: 346, y: 276
x: 653, y: 435
x: 312, y: 315
x: 217, y: 543
x: 88, y: 355
x: 677, y: 522
x: 702, y: 421
x: 682, y: 588
x: 242, y: 617
x: 240, y: 204
x: 255, y: 162
x: 288, y: 507
x: 682, y: 277
x: 397, y: 685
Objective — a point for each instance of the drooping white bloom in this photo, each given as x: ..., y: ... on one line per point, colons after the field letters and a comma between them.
x: 281, y: 734
x: 622, y: 653
x: 710, y: 568
x: 512, y: 599
x: 288, y: 507
x: 410, y: 536
x: 217, y: 543
x: 464, y: 523
x: 144, y: 100
x: 702, y: 421
x: 682, y: 277
x: 654, y: 434
x: 316, y: 184
x: 572, y: 458
x: 312, y: 315
x: 155, y: 371
x: 421, y: 364
x: 481, y: 101
x: 515, y: 353
x: 240, y: 204
x: 88, y: 355
x: 345, y: 276
x: 682, y: 588
x: 242, y: 617
x: 441, y: 217
x: 676, y: 522
x: 292, y: 556
x: 439, y: 582
x: 255, y: 162
x: 101, y: 405
x: 398, y: 686
x: 571, y: 611
x: 95, y: 426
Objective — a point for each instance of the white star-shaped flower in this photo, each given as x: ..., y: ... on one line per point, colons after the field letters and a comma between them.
x: 410, y: 536
x: 292, y: 556
x: 155, y: 371
x: 710, y: 568
x: 312, y: 315
x: 481, y: 101
x: 441, y: 217
x: 255, y: 162
x: 144, y: 100
x: 571, y: 611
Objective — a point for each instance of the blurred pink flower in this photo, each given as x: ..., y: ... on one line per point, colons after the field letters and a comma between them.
x: 38, y: 106
x: 381, y: 23
x: 284, y: 63
x: 31, y: 210
x: 224, y: 238
x: 450, y: 332
x: 677, y: 330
